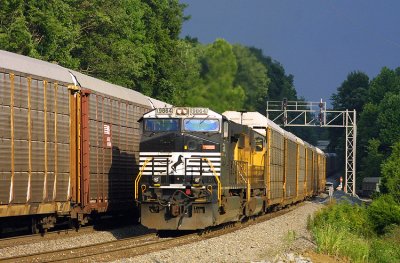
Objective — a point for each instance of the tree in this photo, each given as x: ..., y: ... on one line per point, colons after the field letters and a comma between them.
x: 388, y: 121
x: 252, y: 77
x: 133, y: 43
x: 111, y: 41
x: 281, y: 85
x: 163, y: 21
x: 216, y: 88
x: 376, y: 107
x: 40, y: 29
x: 384, y: 212
x: 371, y: 163
x: 387, y: 81
x: 352, y: 94
x: 391, y: 173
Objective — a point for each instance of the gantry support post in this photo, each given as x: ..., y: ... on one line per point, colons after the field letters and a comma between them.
x: 315, y: 114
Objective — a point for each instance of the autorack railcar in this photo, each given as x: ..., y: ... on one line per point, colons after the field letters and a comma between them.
x: 66, y: 151
x: 201, y: 169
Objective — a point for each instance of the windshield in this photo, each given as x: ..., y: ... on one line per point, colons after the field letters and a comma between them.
x: 201, y: 125
x: 161, y: 125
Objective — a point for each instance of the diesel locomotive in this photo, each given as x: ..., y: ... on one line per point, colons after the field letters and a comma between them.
x: 199, y: 168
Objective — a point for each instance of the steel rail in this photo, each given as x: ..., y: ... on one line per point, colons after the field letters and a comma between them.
x: 135, y: 246
x: 26, y: 239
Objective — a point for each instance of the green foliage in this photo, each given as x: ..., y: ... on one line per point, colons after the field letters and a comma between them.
x: 133, y: 43
x: 352, y: 218
x: 371, y: 163
x: 391, y: 174
x: 378, y: 103
x: 340, y: 230
x: 162, y: 76
x: 367, y: 124
x: 111, y: 41
x: 216, y: 88
x: 384, y: 212
x: 290, y: 237
x: 352, y: 94
x: 387, y: 81
x: 41, y: 29
x: 349, y: 231
x: 252, y: 77
x: 281, y: 85
x: 338, y: 242
x: 388, y: 120
x: 384, y: 251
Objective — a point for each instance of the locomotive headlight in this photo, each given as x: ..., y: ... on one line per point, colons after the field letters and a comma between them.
x: 184, y: 111
x: 179, y: 111
x: 156, y: 179
x: 196, y: 180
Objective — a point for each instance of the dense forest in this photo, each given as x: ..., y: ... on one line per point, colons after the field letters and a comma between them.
x: 137, y: 44
x: 377, y: 102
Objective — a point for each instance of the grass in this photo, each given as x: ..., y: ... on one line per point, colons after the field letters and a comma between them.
x: 290, y: 237
x: 347, y: 231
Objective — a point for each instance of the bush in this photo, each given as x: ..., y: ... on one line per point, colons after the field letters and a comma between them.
x: 345, y: 216
x: 391, y: 173
x: 340, y: 230
x: 383, y: 251
x: 383, y: 213
x: 341, y: 243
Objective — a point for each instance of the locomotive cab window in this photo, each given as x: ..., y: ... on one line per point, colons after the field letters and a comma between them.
x: 201, y: 125
x: 161, y: 125
x: 259, y: 144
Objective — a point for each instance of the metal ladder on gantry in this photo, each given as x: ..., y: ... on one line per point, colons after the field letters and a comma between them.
x: 315, y: 114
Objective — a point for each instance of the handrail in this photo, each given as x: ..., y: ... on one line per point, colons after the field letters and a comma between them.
x: 248, y: 183
x: 139, y: 176
x: 219, y: 189
x: 241, y: 172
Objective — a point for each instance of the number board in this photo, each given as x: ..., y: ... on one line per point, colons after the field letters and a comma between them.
x: 164, y: 111
x: 198, y: 111
x: 172, y: 111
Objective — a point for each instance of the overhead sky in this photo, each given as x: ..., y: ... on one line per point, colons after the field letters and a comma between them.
x: 319, y: 42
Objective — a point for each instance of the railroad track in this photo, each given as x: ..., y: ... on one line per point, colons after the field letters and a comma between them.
x: 135, y: 246
x: 26, y: 239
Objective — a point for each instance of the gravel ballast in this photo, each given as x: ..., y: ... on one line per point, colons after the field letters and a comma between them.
x: 281, y: 239
x: 71, y: 242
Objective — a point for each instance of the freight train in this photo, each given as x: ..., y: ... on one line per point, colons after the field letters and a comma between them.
x: 199, y: 168
x: 67, y: 152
